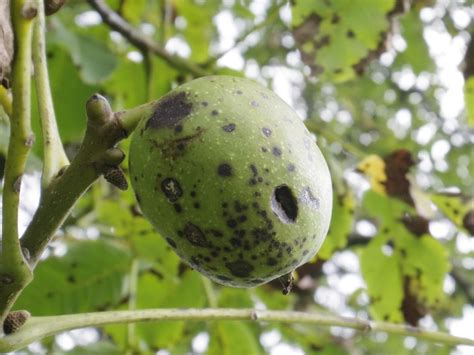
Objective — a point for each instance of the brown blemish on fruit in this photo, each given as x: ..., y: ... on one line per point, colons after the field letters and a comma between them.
x: 171, y: 189
x: 239, y: 268
x: 176, y: 147
x: 170, y: 111
x: 194, y: 235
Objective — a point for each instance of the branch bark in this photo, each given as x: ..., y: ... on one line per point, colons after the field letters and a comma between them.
x: 15, y: 273
x: 141, y: 41
x: 96, y: 156
x: 37, y: 328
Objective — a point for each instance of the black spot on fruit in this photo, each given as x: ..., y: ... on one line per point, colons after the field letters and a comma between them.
x: 229, y: 128
x: 224, y: 169
x: 215, y: 112
x: 239, y: 268
x: 170, y: 111
x: 255, y: 103
x: 178, y: 208
x: 309, y: 199
x: 171, y: 242
x: 194, y: 235
x: 276, y: 151
x: 284, y: 204
x: 171, y: 189
x: 272, y: 261
x: 291, y: 167
x: 267, y: 132
x: 178, y: 128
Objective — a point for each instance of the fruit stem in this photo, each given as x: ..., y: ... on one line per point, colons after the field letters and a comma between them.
x: 54, y: 156
x: 37, y: 328
x: 129, y: 119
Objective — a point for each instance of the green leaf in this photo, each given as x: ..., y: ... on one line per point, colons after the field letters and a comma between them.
x: 127, y: 85
x: 416, y: 54
x: 427, y: 267
x: 384, y: 281
x: 101, y: 347
x: 69, y: 95
x: 157, y: 292
x: 93, y: 58
x: 199, y: 29
x: 341, y: 225
x: 90, y: 276
x: 133, y: 10
x: 334, y: 37
x: 455, y: 207
x: 232, y: 338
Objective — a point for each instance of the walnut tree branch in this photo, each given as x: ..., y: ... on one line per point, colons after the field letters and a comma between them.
x: 141, y: 41
x: 36, y: 328
x: 96, y: 156
x: 15, y: 273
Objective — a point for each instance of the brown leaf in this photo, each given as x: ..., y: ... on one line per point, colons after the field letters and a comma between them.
x: 397, y: 165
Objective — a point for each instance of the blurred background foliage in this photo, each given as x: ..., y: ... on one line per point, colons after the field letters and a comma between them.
x: 387, y: 87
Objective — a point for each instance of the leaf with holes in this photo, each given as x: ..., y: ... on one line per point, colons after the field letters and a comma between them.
x: 338, y: 38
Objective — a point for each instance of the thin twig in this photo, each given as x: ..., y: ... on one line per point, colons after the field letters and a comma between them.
x: 141, y: 41
x: 36, y: 328
x: 54, y: 156
x: 272, y: 16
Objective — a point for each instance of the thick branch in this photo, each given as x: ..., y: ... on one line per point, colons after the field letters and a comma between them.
x: 36, y: 328
x: 140, y: 40
x: 14, y: 271
x: 54, y: 156
x: 96, y: 154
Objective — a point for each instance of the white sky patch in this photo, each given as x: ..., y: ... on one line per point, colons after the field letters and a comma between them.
x: 135, y: 56
x: 88, y: 19
x: 270, y: 339
x: 176, y: 45
x: 463, y: 327
x: 200, y: 342
x: 286, y: 349
x: 227, y: 29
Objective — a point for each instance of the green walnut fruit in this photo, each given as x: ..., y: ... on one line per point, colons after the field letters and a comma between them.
x: 230, y: 176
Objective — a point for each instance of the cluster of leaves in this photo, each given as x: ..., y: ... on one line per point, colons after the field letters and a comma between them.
x: 111, y: 258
